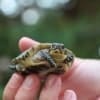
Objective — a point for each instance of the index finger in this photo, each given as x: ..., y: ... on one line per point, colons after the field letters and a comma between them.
x: 12, y: 86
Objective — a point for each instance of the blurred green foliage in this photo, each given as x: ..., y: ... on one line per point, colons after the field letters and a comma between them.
x: 79, y: 31
x: 1, y: 89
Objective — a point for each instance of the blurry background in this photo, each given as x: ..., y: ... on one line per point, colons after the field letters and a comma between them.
x: 76, y: 23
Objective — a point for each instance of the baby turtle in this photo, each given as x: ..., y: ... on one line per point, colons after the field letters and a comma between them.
x: 44, y: 59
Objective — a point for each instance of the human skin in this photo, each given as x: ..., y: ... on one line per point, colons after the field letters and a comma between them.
x: 82, y: 82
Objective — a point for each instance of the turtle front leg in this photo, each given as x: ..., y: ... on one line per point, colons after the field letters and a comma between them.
x: 33, y: 50
x: 22, y: 58
x: 42, y: 46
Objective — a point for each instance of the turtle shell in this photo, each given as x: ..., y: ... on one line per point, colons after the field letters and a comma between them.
x: 44, y: 59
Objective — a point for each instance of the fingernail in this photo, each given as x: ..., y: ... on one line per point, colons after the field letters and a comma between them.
x: 69, y: 95
x: 52, y: 81
x: 15, y: 81
x: 28, y: 83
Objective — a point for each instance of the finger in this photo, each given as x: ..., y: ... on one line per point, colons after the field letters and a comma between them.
x: 25, y: 43
x: 69, y: 95
x: 51, y: 89
x: 29, y: 88
x: 12, y: 87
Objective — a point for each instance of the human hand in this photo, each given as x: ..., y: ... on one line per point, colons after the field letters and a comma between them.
x: 27, y: 88
x: 83, y: 77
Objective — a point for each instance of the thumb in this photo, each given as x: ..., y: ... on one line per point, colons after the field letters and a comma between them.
x: 25, y: 43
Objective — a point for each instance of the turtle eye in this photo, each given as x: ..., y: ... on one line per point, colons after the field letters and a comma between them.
x: 62, y: 46
x: 54, y: 46
x: 65, y: 51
